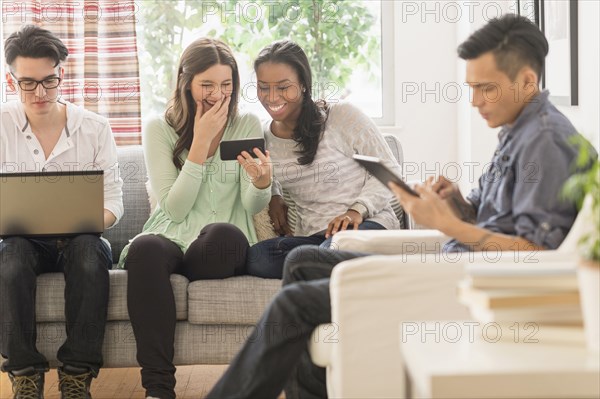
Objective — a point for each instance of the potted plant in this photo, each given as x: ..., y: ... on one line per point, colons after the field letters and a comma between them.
x: 584, y: 188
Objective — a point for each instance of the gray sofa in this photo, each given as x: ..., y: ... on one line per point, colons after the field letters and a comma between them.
x: 215, y: 317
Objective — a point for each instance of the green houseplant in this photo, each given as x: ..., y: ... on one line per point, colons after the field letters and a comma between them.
x: 584, y: 188
x: 581, y: 186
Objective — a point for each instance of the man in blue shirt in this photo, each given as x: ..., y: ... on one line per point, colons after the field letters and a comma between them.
x: 516, y: 207
x: 517, y: 204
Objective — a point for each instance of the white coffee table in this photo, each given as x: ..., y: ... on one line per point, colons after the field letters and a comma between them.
x: 459, y: 361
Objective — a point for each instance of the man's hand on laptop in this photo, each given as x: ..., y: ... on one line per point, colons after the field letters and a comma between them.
x: 109, y: 219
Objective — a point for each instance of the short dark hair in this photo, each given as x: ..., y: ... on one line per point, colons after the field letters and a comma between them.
x: 515, y: 42
x: 34, y: 42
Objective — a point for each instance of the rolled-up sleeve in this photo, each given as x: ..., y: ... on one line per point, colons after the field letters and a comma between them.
x: 474, y: 197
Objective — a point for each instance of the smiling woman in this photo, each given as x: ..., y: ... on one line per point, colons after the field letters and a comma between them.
x: 316, y: 140
x: 203, y: 224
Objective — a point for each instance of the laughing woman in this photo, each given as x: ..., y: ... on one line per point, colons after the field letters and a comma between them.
x: 311, y: 144
x: 203, y: 222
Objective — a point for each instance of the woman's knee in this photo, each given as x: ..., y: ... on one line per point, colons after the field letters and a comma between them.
x: 222, y: 242
x: 220, y: 251
x: 149, y: 252
x: 226, y: 234
x: 262, y: 259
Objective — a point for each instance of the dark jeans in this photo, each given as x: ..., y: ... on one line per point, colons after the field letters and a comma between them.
x: 85, y: 261
x: 276, y: 355
x: 218, y: 252
x: 266, y: 258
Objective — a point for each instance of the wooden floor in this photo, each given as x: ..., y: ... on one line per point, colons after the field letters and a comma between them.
x: 192, y: 382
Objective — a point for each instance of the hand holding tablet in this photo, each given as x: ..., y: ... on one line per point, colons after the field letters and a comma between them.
x: 382, y: 173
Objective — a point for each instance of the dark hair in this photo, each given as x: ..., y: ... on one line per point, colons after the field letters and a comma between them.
x: 31, y: 41
x: 199, y: 56
x: 313, y: 115
x: 515, y: 42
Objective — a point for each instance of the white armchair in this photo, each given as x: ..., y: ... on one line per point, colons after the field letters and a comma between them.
x: 371, y: 296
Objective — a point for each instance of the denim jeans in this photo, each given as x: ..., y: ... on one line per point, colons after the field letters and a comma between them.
x: 85, y: 261
x: 266, y: 258
x: 276, y: 354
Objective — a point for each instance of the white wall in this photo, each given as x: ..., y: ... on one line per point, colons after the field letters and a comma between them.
x: 586, y: 116
x: 425, y: 56
x: 477, y: 141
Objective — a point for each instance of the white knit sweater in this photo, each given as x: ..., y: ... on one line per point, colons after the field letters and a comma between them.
x: 334, y: 181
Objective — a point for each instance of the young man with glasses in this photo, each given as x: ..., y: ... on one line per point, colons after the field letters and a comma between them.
x: 42, y: 132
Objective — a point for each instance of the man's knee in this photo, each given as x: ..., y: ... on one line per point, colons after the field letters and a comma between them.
x: 17, y: 254
x: 289, y: 298
x: 87, y: 254
x: 301, y: 304
x: 297, y: 258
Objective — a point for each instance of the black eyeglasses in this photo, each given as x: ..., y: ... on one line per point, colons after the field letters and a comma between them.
x: 30, y: 84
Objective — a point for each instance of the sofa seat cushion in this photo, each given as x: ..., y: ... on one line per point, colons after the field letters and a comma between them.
x: 235, y: 300
x: 50, y: 300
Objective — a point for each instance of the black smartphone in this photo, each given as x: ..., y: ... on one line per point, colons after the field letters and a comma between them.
x: 382, y: 173
x: 231, y: 149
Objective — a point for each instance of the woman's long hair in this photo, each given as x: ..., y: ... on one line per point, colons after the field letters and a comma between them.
x: 313, y: 115
x: 199, y: 56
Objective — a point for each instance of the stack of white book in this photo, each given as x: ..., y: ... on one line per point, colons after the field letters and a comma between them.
x: 545, y: 294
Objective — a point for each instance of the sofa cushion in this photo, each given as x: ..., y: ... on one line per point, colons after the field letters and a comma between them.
x: 235, y: 300
x: 135, y: 199
x: 50, y: 300
x: 194, y: 344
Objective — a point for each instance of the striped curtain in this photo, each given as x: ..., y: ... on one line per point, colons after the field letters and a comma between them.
x: 102, y: 71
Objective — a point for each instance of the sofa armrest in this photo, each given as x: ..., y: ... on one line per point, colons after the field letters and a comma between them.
x: 389, y: 242
x: 321, y: 344
x: 382, y: 292
x: 373, y: 295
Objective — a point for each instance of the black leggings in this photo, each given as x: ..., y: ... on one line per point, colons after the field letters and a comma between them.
x: 218, y: 252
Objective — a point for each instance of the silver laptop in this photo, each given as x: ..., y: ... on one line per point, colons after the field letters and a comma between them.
x: 51, y: 204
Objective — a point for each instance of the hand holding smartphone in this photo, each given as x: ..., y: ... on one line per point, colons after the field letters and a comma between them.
x: 231, y: 149
x: 382, y: 173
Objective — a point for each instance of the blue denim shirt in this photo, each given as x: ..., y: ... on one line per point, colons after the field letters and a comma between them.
x: 519, y: 194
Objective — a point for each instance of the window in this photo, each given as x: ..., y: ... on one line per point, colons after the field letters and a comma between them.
x: 343, y: 40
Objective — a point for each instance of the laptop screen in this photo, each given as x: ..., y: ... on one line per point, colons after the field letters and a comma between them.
x: 52, y: 203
